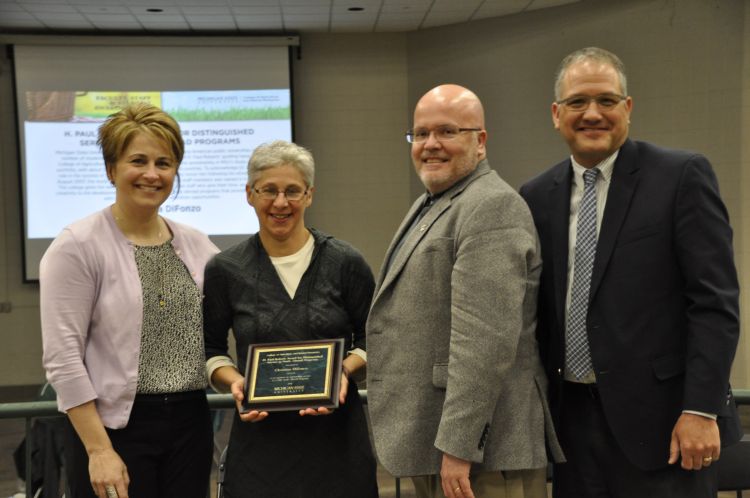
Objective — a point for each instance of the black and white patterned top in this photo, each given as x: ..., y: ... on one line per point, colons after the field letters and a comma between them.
x: 172, y: 357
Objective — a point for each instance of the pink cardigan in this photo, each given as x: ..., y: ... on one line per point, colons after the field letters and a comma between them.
x: 92, y: 311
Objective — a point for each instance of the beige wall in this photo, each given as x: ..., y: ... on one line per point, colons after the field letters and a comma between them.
x: 689, y: 76
x: 350, y: 108
x: 741, y: 372
x: 20, y: 340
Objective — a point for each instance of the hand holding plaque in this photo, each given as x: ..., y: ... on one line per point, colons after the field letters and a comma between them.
x: 291, y: 376
x: 237, y: 388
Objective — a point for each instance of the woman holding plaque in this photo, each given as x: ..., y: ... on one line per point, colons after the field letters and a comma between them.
x: 120, y: 297
x: 287, y: 283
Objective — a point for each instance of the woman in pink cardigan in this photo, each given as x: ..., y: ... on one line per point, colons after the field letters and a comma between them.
x: 121, y: 294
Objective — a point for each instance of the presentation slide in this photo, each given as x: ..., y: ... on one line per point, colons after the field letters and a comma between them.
x: 228, y: 95
x: 65, y: 169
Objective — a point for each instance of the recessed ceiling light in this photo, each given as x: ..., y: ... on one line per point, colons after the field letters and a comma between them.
x: 355, y: 9
x: 154, y: 10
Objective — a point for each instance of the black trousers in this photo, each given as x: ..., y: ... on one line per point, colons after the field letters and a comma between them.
x: 597, y: 468
x: 167, y: 447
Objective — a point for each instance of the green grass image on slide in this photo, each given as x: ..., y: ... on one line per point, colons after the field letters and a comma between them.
x: 233, y: 114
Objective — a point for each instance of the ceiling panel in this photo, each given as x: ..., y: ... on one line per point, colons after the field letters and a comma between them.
x: 17, y: 16
x: 263, y: 15
x: 424, y: 4
x: 406, y: 15
x: 321, y: 3
x: 303, y: 10
x: 210, y: 19
x: 259, y: 18
x: 365, y: 4
x: 256, y: 10
x: 264, y: 26
x: 395, y: 8
x: 347, y: 17
x: 154, y: 5
x: 112, y: 19
x: 116, y: 26
x: 56, y: 17
x: 308, y: 18
x: 256, y: 3
x: 451, y: 5
x: 76, y: 3
x: 206, y: 11
x: 160, y: 18
x: 47, y: 7
x: 102, y: 9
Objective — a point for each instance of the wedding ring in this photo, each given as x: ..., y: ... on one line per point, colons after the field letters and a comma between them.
x: 708, y: 459
x: 111, y: 491
x: 457, y: 489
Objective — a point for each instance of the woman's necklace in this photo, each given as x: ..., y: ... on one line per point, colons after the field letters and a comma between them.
x: 160, y: 276
x: 138, y: 239
x: 149, y: 249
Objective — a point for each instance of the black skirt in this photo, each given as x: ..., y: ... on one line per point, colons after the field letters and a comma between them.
x: 288, y: 456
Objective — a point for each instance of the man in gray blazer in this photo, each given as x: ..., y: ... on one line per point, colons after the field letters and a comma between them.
x: 456, y: 389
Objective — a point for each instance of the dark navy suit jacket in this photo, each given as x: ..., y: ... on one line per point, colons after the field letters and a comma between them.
x: 663, y: 320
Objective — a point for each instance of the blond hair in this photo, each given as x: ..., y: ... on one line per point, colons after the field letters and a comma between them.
x: 120, y: 128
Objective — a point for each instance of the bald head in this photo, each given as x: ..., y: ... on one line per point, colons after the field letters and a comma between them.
x: 460, y: 101
x: 450, y: 136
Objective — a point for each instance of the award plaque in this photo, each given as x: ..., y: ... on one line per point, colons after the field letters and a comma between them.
x: 288, y: 376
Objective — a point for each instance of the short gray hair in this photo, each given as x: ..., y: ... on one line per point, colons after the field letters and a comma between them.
x: 595, y: 54
x: 281, y: 153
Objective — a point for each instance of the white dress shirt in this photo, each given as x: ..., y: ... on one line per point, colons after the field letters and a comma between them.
x: 576, y: 193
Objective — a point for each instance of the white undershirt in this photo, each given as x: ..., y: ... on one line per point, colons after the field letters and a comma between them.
x: 291, y: 268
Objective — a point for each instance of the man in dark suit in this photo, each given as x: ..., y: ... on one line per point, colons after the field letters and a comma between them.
x: 638, y: 308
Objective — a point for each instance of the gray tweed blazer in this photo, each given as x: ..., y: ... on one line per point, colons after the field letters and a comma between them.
x: 453, y: 363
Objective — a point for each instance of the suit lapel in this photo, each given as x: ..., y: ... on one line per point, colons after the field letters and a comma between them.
x: 422, y: 229
x: 623, y: 184
x: 414, y: 237
x: 559, y: 219
x: 405, y: 223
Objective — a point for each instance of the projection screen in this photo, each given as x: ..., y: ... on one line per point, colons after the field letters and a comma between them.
x: 227, y: 99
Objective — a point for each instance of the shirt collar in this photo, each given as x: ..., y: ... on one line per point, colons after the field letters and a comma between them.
x: 605, y: 167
